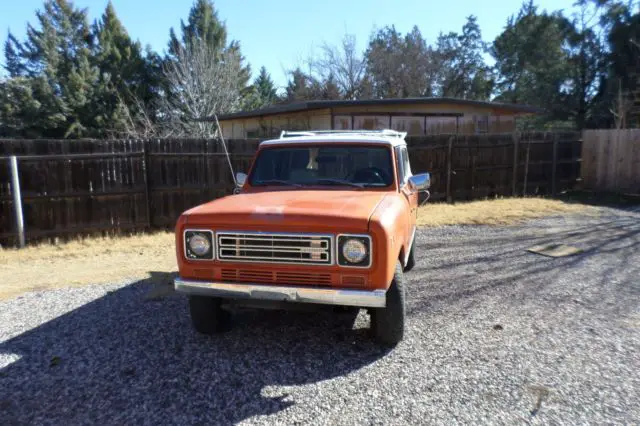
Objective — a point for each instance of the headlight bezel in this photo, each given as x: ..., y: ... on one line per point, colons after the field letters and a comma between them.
x: 188, y: 252
x: 341, y: 240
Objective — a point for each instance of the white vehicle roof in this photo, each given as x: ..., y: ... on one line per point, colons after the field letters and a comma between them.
x: 385, y: 137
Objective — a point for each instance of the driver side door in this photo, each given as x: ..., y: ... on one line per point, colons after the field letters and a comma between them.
x: 411, y: 197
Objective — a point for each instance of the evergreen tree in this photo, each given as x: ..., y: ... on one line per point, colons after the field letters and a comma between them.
x: 532, y: 64
x: 303, y: 87
x: 399, y: 66
x: 56, y: 59
x: 585, y: 48
x: 13, y: 54
x: 330, y: 89
x: 261, y: 94
x: 21, y: 108
x: 618, y: 102
x: 128, y: 79
x: 203, y: 23
x: 265, y: 88
x: 462, y: 70
x: 384, y: 57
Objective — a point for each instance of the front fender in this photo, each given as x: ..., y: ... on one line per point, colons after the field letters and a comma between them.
x: 388, y: 228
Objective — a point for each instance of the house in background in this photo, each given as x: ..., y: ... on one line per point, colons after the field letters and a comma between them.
x: 416, y: 116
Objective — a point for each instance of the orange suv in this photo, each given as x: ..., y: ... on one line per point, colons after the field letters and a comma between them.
x: 322, y: 217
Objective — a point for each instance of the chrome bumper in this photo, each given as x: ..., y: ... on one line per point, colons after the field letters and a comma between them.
x: 325, y: 296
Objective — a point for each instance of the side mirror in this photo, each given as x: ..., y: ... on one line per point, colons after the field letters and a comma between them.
x: 420, y: 182
x: 241, y: 178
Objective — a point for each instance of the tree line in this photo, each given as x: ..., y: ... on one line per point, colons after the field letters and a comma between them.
x: 70, y: 78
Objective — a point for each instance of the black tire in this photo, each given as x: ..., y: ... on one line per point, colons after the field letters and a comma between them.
x: 207, y: 315
x: 411, y: 260
x: 388, y: 323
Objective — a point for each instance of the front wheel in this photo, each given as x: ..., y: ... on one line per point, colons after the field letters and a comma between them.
x: 388, y: 323
x: 207, y: 315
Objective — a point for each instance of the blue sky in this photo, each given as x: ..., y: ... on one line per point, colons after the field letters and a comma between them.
x: 280, y: 34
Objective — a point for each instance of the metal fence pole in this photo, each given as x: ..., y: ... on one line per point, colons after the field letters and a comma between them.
x: 449, y: 151
x: 17, y: 198
x: 554, y: 170
x: 526, y: 167
x: 516, y: 161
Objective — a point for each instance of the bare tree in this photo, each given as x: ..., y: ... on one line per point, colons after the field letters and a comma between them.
x: 622, y: 106
x: 344, y: 63
x: 626, y: 100
x: 139, y: 122
x: 202, y: 83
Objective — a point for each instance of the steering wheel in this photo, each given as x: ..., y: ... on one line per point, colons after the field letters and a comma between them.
x: 369, y: 175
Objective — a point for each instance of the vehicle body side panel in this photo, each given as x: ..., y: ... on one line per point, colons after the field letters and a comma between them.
x: 389, y: 225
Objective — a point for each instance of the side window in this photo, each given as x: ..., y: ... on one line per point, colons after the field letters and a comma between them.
x: 406, y: 165
x: 404, y: 168
x: 400, y: 165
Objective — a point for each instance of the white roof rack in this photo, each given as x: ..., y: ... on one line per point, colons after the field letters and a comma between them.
x: 383, y: 132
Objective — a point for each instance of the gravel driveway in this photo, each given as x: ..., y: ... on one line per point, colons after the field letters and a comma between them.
x: 496, y: 335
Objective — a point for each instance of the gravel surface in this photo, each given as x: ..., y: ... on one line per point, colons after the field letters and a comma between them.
x: 495, y: 335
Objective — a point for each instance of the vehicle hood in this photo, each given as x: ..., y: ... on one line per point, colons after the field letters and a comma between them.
x: 300, y: 210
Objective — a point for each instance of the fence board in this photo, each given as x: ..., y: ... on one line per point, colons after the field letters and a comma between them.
x: 73, y: 187
x: 611, y: 160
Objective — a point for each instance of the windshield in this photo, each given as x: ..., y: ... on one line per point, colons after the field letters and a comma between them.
x: 336, y: 165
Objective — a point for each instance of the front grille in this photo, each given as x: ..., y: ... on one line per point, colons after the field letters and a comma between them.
x: 236, y: 275
x: 279, y: 277
x: 274, y: 248
x: 303, y: 278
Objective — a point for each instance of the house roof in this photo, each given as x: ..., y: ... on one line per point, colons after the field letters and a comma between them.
x: 311, y: 105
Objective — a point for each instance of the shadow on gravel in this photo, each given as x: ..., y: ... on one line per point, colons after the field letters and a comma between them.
x: 498, y: 260
x: 602, y: 199
x: 132, y: 356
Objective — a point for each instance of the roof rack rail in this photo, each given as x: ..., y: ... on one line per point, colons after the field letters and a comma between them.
x: 382, y: 132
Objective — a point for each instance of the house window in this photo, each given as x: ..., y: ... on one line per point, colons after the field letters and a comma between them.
x: 370, y: 122
x: 482, y: 124
x: 411, y: 125
x: 442, y: 125
x: 299, y: 123
x: 342, y: 122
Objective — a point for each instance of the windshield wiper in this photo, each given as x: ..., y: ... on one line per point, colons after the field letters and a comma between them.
x: 278, y: 181
x: 339, y: 182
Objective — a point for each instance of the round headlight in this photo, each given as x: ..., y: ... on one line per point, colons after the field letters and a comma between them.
x: 199, y: 244
x: 354, y: 251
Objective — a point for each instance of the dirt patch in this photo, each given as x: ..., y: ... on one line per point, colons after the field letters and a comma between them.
x: 88, y: 261
x: 507, y: 211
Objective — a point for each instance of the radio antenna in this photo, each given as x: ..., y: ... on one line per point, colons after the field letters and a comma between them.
x: 226, y: 152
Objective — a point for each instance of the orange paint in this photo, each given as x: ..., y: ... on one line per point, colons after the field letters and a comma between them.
x: 386, y: 214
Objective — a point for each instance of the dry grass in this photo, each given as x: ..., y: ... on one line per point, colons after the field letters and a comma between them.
x: 88, y: 261
x: 506, y: 211
x: 103, y: 260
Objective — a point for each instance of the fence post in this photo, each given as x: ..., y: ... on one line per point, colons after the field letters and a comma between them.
x: 516, y: 143
x: 449, y: 149
x: 526, y: 168
x: 555, y: 164
x: 147, y: 192
x: 17, y: 198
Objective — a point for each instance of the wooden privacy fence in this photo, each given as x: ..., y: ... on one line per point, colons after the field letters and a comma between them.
x: 71, y: 187
x: 611, y: 160
x: 76, y: 187
x: 468, y: 167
